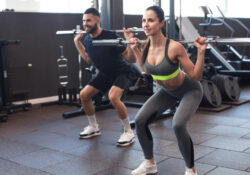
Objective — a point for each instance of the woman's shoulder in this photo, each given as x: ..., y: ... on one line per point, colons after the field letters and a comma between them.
x: 173, y: 45
x: 175, y: 48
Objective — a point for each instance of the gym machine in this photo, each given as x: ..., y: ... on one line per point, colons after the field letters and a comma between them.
x: 227, y: 84
x: 6, y: 95
x: 241, y: 60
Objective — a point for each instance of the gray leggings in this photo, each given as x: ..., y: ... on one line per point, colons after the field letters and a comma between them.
x: 189, y: 94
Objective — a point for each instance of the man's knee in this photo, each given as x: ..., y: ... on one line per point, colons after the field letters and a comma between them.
x: 115, y: 95
x: 114, y: 98
x: 85, y: 96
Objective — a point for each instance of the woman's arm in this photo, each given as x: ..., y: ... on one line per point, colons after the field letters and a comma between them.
x: 194, y: 71
x: 137, y: 52
x: 138, y: 56
x: 129, y: 54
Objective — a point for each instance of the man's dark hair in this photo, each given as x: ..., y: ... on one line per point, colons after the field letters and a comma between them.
x: 93, y: 11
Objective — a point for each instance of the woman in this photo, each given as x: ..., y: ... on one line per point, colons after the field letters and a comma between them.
x: 162, y: 57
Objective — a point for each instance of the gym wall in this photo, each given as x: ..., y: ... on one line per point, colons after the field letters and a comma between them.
x: 32, y: 64
x: 40, y: 48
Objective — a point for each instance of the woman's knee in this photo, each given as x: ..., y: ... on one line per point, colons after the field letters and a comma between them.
x: 178, y: 127
x: 139, y: 122
x: 198, y: 93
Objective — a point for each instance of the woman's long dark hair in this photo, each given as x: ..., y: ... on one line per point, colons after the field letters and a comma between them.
x: 160, y: 14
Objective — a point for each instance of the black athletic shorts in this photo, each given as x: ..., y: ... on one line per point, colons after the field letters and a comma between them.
x: 123, y: 81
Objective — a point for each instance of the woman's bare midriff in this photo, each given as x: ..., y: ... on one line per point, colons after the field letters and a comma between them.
x: 173, y: 83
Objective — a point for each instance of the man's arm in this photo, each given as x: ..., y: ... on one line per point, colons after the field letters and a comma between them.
x: 81, y: 49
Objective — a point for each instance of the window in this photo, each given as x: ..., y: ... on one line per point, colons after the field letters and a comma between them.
x: 51, y: 6
x: 136, y: 7
x: 239, y: 8
x: 230, y: 8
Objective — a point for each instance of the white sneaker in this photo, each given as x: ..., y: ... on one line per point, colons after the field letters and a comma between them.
x: 126, y: 138
x: 146, y: 167
x: 89, y: 132
x: 189, y: 171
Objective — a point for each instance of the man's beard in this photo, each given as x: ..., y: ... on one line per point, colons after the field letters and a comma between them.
x: 93, y: 29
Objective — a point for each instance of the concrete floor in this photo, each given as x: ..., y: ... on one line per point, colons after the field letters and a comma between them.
x: 41, y: 142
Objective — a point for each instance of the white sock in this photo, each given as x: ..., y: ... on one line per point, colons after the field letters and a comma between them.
x: 190, y: 169
x: 149, y: 162
x: 92, y: 120
x: 126, y: 124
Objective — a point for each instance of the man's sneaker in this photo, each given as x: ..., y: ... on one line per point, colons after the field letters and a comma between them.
x: 190, y: 171
x: 89, y: 132
x: 146, y: 167
x: 126, y: 138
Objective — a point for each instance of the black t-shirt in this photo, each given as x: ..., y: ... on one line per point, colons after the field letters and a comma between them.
x: 107, y: 59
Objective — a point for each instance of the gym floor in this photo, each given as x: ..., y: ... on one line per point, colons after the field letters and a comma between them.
x: 41, y: 142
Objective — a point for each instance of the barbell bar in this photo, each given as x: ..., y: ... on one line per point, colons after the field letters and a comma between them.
x: 113, y: 42
x: 73, y: 32
x: 217, y: 41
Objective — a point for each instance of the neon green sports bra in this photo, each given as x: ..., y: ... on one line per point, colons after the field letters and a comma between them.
x: 166, y: 70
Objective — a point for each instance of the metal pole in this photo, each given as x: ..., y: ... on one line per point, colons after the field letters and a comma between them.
x: 112, y: 14
x: 80, y: 65
x: 157, y: 2
x: 95, y: 4
x: 172, y: 21
x: 180, y: 29
x: 105, y: 15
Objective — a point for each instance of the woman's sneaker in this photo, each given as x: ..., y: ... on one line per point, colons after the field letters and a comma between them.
x: 189, y: 171
x: 126, y: 139
x: 89, y: 132
x: 146, y: 167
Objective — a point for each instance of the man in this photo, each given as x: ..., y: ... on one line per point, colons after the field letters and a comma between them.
x: 115, y: 74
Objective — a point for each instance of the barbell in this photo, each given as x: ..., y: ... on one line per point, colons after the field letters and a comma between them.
x: 74, y: 31
x: 217, y: 41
